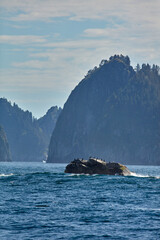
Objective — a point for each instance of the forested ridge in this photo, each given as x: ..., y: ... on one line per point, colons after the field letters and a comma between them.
x: 28, y: 137
x: 113, y: 113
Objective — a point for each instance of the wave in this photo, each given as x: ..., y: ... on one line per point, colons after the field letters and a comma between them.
x: 133, y: 174
x: 6, y: 175
x: 146, y: 209
x: 83, y: 175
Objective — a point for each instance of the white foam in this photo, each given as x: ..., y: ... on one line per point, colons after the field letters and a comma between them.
x: 157, y: 177
x: 78, y: 174
x: 138, y: 175
x: 6, y: 175
x: 143, y: 176
x: 147, y: 209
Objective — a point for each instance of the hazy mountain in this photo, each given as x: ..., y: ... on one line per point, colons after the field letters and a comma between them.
x: 113, y: 113
x: 4, y: 147
x: 28, y: 137
x: 48, y: 121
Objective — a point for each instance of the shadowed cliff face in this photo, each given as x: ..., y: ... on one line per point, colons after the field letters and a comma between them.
x: 4, y: 147
x: 113, y: 114
x: 28, y: 137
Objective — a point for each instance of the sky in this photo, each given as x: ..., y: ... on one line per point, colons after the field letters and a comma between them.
x: 48, y: 46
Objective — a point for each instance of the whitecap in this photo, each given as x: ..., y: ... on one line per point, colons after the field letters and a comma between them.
x: 147, y: 209
x: 6, y: 175
x: 157, y: 177
x: 133, y: 174
x: 78, y: 174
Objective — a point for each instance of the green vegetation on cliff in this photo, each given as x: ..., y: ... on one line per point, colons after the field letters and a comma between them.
x: 113, y: 114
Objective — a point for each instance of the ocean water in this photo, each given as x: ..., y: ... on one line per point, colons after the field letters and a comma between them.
x: 39, y: 201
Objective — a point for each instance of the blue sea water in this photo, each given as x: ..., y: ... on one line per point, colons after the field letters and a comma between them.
x: 39, y: 201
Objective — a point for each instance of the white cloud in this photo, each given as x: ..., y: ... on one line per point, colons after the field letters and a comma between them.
x: 96, y: 32
x: 137, y: 10
x: 63, y: 67
x: 133, y: 23
x: 126, y: 32
x: 30, y: 64
x: 21, y: 39
x: 133, y: 20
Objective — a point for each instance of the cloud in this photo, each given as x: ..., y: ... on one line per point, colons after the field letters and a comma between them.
x: 58, y: 69
x: 144, y: 10
x: 21, y: 39
x: 96, y: 32
x: 127, y: 32
x: 30, y: 64
x: 134, y: 20
x: 130, y: 21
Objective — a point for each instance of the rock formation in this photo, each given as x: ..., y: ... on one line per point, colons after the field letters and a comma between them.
x: 112, y: 113
x: 96, y: 166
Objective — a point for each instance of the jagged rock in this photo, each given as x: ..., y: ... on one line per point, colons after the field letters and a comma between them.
x: 96, y: 166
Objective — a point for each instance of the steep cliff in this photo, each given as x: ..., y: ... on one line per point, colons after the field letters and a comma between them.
x: 4, y: 147
x: 48, y: 121
x: 28, y: 137
x: 112, y: 114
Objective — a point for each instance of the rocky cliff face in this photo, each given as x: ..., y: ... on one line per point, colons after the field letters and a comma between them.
x: 4, y: 147
x: 28, y: 137
x: 112, y: 114
x: 48, y: 121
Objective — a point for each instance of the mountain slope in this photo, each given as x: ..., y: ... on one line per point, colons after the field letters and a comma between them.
x: 28, y: 137
x: 113, y: 114
x: 4, y: 147
x: 48, y: 121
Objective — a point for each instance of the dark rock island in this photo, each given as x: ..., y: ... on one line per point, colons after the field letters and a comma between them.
x: 96, y: 166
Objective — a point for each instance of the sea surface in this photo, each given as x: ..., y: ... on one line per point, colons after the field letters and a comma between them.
x: 39, y: 201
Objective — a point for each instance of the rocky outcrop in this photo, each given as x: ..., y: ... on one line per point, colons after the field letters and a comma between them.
x: 4, y: 147
x: 96, y: 166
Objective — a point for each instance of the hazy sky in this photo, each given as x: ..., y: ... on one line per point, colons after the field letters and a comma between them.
x: 47, y: 46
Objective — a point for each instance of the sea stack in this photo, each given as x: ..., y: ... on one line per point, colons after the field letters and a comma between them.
x: 96, y: 166
x: 112, y: 113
